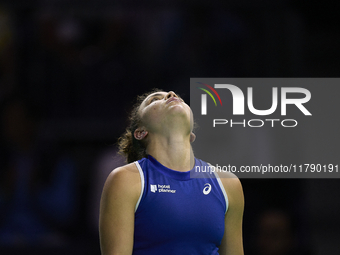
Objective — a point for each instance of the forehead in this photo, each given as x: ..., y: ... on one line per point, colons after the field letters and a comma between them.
x: 155, y: 94
x: 158, y: 93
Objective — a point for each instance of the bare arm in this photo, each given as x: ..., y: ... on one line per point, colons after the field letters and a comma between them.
x: 117, y: 210
x: 232, y: 243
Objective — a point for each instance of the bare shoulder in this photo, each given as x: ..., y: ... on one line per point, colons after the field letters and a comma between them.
x: 233, y: 187
x: 117, y: 209
x: 229, y: 180
x: 127, y: 173
x: 124, y: 180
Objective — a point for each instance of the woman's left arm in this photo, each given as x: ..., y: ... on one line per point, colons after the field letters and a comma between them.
x: 232, y: 243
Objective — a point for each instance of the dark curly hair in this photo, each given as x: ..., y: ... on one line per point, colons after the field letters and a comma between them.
x: 128, y: 145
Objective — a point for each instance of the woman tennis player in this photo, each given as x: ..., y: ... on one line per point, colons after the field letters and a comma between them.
x: 152, y: 205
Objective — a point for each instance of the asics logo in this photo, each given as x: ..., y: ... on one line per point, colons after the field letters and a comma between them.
x: 207, y: 189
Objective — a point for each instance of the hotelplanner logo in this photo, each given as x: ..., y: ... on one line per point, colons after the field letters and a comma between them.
x: 153, y: 188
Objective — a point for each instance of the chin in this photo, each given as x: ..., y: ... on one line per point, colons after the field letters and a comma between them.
x: 180, y: 111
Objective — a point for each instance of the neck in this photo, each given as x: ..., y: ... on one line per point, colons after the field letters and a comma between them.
x: 172, y: 151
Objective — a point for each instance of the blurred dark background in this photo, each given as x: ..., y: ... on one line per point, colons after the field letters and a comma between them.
x: 70, y: 71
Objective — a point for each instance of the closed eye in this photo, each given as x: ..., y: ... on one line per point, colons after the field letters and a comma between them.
x: 159, y: 97
x: 154, y: 99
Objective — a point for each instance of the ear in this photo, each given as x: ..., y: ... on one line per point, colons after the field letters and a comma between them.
x: 192, y: 137
x: 139, y: 134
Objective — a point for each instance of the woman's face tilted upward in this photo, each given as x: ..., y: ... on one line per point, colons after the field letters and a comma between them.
x: 162, y: 111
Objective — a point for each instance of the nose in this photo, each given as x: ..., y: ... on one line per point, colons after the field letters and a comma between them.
x: 170, y: 94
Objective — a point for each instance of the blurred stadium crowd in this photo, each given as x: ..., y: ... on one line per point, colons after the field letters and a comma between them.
x: 69, y: 72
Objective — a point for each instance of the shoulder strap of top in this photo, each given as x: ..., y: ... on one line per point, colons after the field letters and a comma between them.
x: 142, y: 183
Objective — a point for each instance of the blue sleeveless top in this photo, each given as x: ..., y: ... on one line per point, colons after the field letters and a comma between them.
x: 177, y: 214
